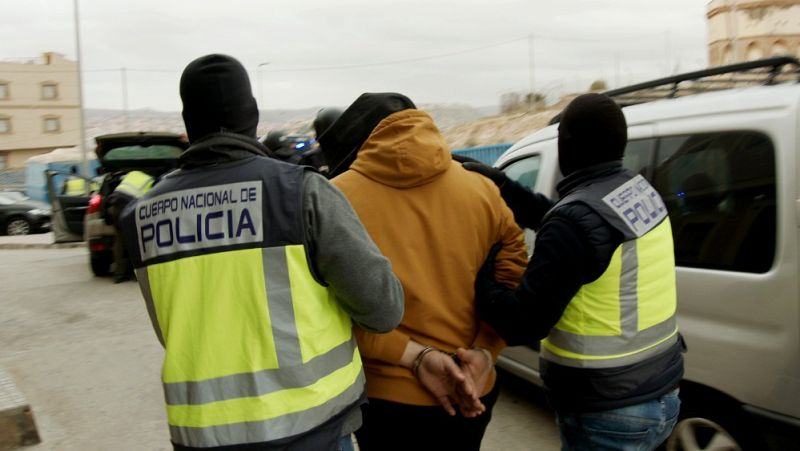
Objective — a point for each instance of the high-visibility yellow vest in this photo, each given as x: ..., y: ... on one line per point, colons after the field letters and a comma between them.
x: 135, y: 183
x: 75, y: 186
x: 628, y: 314
x: 257, y: 349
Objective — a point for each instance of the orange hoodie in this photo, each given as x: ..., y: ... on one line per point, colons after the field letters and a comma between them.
x: 435, y: 222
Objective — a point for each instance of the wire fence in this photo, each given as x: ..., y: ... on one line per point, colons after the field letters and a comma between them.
x: 485, y: 154
x: 12, y: 179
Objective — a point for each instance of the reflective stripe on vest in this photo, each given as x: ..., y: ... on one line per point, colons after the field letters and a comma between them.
x: 627, y: 314
x: 276, y: 358
x: 135, y: 183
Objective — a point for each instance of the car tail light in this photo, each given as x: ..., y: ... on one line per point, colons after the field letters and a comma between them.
x: 97, y: 247
x: 94, y: 204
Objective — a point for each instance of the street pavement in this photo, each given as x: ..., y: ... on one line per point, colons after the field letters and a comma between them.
x: 82, y: 351
x: 35, y: 241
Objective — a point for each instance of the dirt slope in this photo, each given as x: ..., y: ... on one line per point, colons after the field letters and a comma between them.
x: 503, y: 128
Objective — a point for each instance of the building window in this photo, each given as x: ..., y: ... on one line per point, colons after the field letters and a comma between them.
x: 4, y: 94
x: 727, y: 55
x: 3, y: 161
x: 779, y: 48
x: 52, y: 124
x: 754, y: 52
x: 5, y: 125
x: 49, y: 91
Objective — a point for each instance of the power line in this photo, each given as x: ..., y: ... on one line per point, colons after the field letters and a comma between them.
x: 381, y: 63
x: 460, y: 52
x: 401, y: 61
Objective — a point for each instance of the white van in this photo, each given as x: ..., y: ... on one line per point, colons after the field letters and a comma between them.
x: 726, y: 164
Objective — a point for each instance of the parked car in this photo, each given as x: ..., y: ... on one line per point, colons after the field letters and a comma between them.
x: 725, y: 162
x: 154, y: 153
x: 20, y: 215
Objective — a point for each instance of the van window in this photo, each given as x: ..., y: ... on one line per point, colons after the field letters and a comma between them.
x: 639, y: 157
x: 525, y: 171
x: 720, y: 191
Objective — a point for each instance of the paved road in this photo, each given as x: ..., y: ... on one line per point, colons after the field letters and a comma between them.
x: 82, y: 351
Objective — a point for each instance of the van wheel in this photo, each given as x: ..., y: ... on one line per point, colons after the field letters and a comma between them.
x: 695, y: 434
x: 100, y: 263
x: 711, y: 421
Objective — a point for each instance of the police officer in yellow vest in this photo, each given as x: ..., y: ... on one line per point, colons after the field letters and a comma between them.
x: 599, y: 289
x: 252, y: 271
x: 75, y: 184
x: 132, y: 186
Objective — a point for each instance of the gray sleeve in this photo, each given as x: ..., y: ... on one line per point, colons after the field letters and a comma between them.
x: 347, y: 259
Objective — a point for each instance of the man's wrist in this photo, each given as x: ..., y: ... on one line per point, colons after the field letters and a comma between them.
x: 420, y: 357
x: 487, y: 353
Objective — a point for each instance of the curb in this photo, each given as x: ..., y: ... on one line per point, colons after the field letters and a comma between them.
x: 17, y: 427
x: 41, y: 245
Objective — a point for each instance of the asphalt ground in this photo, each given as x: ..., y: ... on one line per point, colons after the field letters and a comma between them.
x: 82, y: 351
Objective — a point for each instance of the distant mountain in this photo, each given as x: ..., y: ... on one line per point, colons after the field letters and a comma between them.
x: 462, y: 125
x: 101, y: 121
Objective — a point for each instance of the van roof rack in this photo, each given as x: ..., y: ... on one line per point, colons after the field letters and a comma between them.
x: 768, y: 71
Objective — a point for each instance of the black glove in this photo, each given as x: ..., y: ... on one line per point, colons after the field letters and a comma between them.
x: 490, y: 300
x: 484, y: 281
x: 463, y: 158
x: 497, y: 176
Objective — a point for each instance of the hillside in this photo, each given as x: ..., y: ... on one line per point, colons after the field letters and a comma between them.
x: 502, y: 128
x: 462, y: 126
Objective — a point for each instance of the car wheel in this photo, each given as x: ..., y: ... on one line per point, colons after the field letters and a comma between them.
x: 100, y: 263
x: 18, y: 226
x: 712, y: 422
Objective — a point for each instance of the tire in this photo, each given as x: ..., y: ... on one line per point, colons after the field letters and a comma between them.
x: 100, y: 263
x: 18, y: 226
x: 710, y: 421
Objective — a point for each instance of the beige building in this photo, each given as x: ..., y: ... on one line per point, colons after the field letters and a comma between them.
x: 743, y: 30
x: 39, y: 107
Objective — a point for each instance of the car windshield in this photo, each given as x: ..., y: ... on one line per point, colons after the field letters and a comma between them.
x: 154, y: 152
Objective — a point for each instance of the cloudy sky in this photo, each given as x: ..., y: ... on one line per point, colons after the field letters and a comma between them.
x: 306, y: 53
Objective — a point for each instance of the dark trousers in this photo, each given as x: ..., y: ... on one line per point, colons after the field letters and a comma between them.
x: 393, y: 426
x: 122, y: 266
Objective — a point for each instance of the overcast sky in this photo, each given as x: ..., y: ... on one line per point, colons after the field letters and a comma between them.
x: 327, y: 52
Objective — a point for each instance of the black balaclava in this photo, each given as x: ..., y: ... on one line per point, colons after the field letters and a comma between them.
x: 325, y: 117
x: 217, y: 97
x: 592, y: 131
x: 341, y: 141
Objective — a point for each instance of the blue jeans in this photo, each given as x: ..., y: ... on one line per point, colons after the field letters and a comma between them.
x: 346, y: 443
x: 638, y: 427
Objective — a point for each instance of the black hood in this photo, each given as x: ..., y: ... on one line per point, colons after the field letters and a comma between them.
x: 592, y: 131
x: 217, y: 97
x: 325, y: 117
x: 341, y: 141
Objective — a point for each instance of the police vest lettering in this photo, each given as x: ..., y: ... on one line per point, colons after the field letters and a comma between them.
x: 638, y: 204
x: 200, y: 218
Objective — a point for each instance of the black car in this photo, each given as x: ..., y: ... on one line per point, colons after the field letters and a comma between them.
x: 20, y: 215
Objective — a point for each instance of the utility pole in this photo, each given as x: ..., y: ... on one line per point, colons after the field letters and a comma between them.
x: 260, y: 84
x: 667, y: 51
x: 124, y: 77
x: 84, y: 159
x: 531, y: 71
